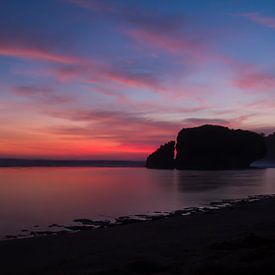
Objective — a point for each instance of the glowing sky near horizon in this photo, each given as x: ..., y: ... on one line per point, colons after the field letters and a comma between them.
x: 103, y: 79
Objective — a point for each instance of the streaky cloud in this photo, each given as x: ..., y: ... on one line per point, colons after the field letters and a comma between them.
x: 41, y: 94
x: 36, y: 54
x: 258, y: 18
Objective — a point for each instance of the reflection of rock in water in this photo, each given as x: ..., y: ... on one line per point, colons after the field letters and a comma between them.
x: 198, y: 181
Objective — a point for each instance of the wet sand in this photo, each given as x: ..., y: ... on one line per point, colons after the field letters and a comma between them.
x: 237, y: 239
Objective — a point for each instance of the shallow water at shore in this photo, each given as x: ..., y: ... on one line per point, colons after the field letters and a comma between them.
x: 42, y: 199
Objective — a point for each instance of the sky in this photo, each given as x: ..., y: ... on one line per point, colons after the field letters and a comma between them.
x: 102, y: 79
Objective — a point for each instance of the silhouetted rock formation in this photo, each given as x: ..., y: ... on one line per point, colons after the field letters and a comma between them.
x: 217, y: 147
x: 270, y: 143
x: 163, y: 157
x: 210, y: 147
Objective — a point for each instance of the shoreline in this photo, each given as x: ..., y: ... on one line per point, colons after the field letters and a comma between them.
x: 239, y: 236
x: 28, y: 163
x: 85, y: 224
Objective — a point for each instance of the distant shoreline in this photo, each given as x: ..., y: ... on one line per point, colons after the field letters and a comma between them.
x: 8, y: 162
x: 13, y: 162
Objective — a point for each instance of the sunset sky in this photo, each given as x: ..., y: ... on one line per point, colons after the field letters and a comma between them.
x: 103, y: 79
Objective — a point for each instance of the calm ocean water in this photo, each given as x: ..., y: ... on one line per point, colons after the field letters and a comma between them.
x: 37, y: 197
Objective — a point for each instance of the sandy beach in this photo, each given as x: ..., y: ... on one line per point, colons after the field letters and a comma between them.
x: 238, y: 239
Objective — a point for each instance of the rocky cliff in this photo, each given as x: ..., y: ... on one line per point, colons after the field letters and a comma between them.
x: 217, y: 147
x: 210, y: 147
x: 163, y: 157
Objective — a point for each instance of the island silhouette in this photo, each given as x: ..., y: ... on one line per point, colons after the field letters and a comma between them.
x: 209, y: 147
x: 204, y: 147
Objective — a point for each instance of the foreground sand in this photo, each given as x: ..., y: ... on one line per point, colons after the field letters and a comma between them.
x: 239, y: 239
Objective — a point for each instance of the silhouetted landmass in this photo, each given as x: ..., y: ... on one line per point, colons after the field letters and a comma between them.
x: 270, y: 143
x: 68, y: 163
x: 217, y: 147
x: 163, y: 157
x: 210, y: 147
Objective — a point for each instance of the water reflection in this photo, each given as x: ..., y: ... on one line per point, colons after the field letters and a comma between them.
x: 43, y: 196
x: 199, y: 181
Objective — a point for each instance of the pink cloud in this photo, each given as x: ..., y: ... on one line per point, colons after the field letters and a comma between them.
x: 94, y: 72
x: 121, y: 98
x: 98, y: 73
x: 37, y: 54
x: 164, y: 33
x: 181, y: 45
x: 168, y: 43
x: 134, y: 80
x: 200, y: 121
x: 257, y: 80
x: 157, y: 30
x: 120, y: 121
x: 70, y: 72
x: 132, y: 14
x: 262, y: 105
x: 267, y: 21
x: 93, y: 5
x: 90, y: 71
x: 42, y: 95
x: 131, y: 129
x: 236, y: 121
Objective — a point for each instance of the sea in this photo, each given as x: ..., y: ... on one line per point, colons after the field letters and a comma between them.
x: 42, y: 198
